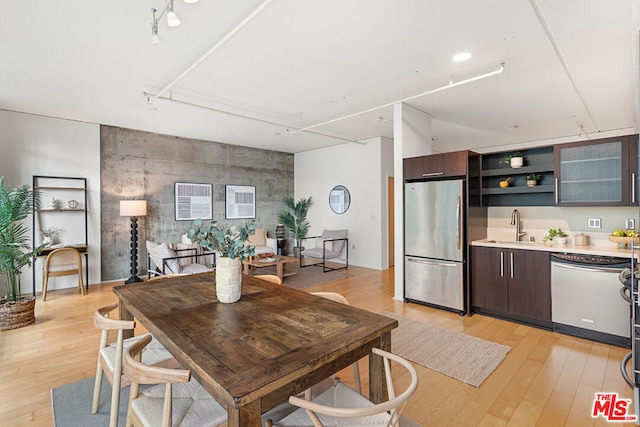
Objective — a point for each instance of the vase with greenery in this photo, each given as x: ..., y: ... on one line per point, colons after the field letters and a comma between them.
x: 295, y: 219
x: 532, y: 179
x: 231, y: 246
x: 16, y: 252
x: 558, y: 236
x: 515, y: 160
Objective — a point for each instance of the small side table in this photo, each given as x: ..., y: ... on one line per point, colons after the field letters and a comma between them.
x: 282, y: 246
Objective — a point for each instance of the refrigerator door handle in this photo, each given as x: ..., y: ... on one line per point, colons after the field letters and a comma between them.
x: 458, y: 206
x: 440, y: 263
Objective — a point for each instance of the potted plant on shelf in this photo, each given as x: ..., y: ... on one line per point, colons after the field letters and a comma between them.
x: 532, y: 179
x: 49, y: 235
x: 557, y: 236
x: 231, y: 246
x: 515, y: 160
x: 15, y: 252
x: 295, y: 219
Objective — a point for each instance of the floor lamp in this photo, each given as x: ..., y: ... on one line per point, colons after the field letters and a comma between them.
x: 133, y: 209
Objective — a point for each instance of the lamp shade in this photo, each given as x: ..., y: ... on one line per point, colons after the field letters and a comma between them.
x: 172, y: 19
x: 133, y: 207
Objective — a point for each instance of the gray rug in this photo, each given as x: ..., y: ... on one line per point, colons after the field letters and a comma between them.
x: 305, y: 277
x: 72, y: 406
x: 463, y: 357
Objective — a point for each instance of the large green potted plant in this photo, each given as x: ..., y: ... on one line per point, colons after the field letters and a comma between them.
x: 16, y: 204
x: 295, y: 219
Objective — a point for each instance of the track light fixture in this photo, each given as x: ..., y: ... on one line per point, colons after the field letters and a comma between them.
x: 155, y: 38
x: 172, y: 19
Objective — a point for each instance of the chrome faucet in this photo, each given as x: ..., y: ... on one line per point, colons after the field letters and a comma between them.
x: 515, y: 220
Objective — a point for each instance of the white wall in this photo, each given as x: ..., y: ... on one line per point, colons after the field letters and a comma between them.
x: 357, y: 166
x: 36, y: 145
x: 412, y: 137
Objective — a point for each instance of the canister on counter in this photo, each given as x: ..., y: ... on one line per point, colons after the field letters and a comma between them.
x: 582, y: 239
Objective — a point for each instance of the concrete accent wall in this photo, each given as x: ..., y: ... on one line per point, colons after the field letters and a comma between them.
x: 145, y: 166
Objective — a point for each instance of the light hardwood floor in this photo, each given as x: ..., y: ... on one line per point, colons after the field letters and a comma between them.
x: 547, y: 379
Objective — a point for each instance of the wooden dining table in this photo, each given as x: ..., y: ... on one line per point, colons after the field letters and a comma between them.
x: 253, y: 354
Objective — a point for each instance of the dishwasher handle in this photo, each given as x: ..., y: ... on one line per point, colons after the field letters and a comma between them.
x: 585, y: 268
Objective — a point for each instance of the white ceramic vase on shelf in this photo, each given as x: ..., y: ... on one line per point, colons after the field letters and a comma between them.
x: 228, y: 279
x: 516, y: 162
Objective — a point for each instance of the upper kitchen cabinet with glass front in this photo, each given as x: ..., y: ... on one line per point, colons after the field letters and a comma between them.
x: 601, y: 172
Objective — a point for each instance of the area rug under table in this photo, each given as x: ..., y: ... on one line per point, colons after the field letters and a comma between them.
x: 307, y: 276
x: 72, y: 406
x: 463, y: 357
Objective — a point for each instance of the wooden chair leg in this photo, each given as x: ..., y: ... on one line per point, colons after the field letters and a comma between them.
x: 96, y: 389
x: 83, y: 291
x: 45, y: 281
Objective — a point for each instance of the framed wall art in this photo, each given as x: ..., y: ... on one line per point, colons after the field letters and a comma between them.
x: 240, y: 201
x: 193, y: 201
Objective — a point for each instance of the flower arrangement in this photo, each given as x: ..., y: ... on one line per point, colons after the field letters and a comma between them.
x: 229, y: 242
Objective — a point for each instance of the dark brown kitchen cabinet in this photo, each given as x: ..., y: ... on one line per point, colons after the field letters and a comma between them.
x: 512, y: 283
x: 601, y: 172
x: 437, y: 165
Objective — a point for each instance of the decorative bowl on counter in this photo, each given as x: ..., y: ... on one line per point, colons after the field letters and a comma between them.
x: 624, y: 241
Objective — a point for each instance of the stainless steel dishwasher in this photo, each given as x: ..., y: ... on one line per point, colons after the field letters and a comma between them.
x: 585, y: 297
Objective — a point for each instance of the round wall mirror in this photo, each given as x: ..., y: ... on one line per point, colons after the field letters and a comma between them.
x: 339, y: 199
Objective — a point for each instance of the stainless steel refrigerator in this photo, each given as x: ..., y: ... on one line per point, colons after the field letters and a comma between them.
x: 435, y: 243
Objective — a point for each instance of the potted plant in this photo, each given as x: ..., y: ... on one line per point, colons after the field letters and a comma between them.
x: 558, y: 236
x: 532, y: 179
x: 231, y: 246
x: 295, y: 219
x: 515, y: 160
x: 15, y: 253
x: 49, y: 235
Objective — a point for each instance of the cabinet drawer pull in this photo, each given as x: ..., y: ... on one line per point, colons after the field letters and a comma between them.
x: 501, y: 264
x: 433, y: 174
x: 511, y: 257
x: 556, y: 191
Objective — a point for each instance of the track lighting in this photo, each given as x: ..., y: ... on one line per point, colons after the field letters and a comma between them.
x: 155, y: 38
x: 172, y: 18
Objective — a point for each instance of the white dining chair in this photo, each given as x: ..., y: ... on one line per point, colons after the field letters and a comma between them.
x: 343, y: 406
x: 176, y: 399
x: 269, y: 278
x: 110, y: 358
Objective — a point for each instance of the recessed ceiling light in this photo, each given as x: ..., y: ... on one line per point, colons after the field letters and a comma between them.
x: 462, y: 56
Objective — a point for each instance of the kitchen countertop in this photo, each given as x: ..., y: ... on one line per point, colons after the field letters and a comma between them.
x: 608, y: 250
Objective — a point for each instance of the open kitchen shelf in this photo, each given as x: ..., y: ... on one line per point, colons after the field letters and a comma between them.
x: 536, y: 160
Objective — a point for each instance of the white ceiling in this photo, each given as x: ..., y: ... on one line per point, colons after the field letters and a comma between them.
x: 568, y: 64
